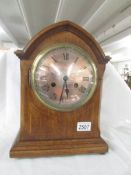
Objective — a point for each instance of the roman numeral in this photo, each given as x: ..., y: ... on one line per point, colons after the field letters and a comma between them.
x: 82, y: 89
x: 76, y: 60
x: 54, y: 59
x: 66, y: 56
x: 85, y: 78
x: 84, y: 67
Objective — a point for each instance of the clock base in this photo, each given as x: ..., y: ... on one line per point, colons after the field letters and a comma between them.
x: 58, y: 147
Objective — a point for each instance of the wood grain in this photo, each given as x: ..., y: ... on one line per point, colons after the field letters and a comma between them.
x: 44, y: 131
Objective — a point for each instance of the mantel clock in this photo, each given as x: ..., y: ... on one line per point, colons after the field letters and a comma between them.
x: 61, y: 76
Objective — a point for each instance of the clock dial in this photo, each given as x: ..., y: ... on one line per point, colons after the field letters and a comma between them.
x: 63, y: 77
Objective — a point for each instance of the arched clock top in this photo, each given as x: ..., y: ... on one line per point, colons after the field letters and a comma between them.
x: 64, y: 26
x: 62, y: 70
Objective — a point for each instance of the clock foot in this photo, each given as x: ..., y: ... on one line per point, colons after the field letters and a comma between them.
x: 58, y: 147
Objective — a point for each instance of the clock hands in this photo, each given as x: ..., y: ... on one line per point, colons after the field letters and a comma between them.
x: 62, y: 92
x: 65, y: 78
x: 66, y: 90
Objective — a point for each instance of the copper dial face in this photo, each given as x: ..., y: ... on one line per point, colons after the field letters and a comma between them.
x: 63, y: 77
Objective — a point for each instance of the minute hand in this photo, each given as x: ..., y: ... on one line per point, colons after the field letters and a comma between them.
x: 66, y: 90
x: 62, y: 92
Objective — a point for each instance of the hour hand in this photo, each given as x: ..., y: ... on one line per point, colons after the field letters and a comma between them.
x: 66, y: 90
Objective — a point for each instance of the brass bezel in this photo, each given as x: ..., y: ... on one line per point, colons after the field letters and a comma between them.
x: 87, y: 57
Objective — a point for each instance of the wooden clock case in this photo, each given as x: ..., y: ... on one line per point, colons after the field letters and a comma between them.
x: 46, y: 132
